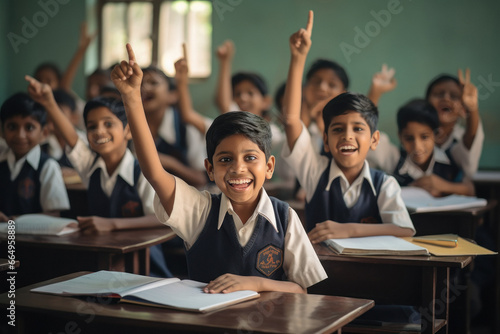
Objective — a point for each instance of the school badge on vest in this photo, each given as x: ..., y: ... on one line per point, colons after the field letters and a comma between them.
x: 130, y: 209
x: 26, y: 188
x: 269, y: 259
x: 369, y: 220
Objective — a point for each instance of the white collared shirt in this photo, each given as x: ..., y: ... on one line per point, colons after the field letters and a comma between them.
x: 195, y: 141
x: 192, y: 207
x: 82, y: 158
x: 410, y: 168
x: 309, y: 165
x: 54, y: 148
x: 53, y: 195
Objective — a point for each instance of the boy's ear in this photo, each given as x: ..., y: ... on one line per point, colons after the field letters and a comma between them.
x: 325, y: 142
x: 271, y: 163
x: 375, y: 139
x: 126, y: 131
x: 210, y: 169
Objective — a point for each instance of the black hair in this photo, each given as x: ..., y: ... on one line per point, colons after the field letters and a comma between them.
x: 439, y: 79
x: 170, y: 81
x: 320, y: 64
x: 254, y: 79
x: 114, y: 105
x: 351, y: 102
x: 21, y: 104
x: 251, y: 126
x: 49, y: 66
x: 420, y: 111
x: 278, y: 96
x: 64, y: 98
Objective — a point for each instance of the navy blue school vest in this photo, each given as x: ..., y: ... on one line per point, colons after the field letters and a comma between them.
x: 22, y: 195
x: 123, y: 202
x: 179, y: 149
x: 450, y: 172
x: 217, y: 252
x: 330, y: 205
x: 63, y: 160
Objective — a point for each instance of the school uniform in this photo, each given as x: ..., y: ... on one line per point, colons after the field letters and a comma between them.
x: 52, y: 147
x: 466, y: 159
x: 271, y: 244
x: 184, y: 142
x: 441, y: 164
x: 322, y: 179
x: 125, y: 193
x: 32, y: 184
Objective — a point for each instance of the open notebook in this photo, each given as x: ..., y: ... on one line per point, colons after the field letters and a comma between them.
x: 174, y: 293
x: 419, y: 200
x: 40, y: 224
x: 377, y: 245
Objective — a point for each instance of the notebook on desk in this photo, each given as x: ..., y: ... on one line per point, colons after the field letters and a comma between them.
x: 419, y: 200
x: 376, y: 245
x: 40, y: 224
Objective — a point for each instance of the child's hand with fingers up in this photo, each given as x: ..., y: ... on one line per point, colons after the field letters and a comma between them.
x: 127, y: 77
x: 469, y: 94
x: 226, y: 50
x: 300, y: 42
x: 39, y: 92
x: 181, y: 68
x: 384, y: 80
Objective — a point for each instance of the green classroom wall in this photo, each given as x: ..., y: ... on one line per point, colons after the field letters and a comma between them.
x: 420, y: 39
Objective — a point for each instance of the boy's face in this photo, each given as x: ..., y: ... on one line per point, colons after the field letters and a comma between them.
x: 324, y: 84
x: 249, y: 98
x: 94, y: 84
x: 418, y: 141
x: 348, y: 139
x: 155, y: 94
x: 49, y: 77
x: 22, y: 134
x: 446, y: 97
x: 105, y: 132
x: 239, y: 169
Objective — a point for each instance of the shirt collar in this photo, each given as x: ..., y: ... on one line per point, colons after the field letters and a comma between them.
x: 264, y: 208
x: 415, y: 172
x: 125, y: 169
x: 166, y: 131
x: 32, y: 158
x: 336, y: 172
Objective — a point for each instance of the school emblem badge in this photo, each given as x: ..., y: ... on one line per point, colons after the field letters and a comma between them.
x: 369, y: 220
x: 269, y: 259
x: 26, y: 188
x: 130, y: 209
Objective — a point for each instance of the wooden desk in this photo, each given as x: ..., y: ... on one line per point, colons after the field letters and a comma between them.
x: 45, y: 256
x: 402, y: 280
x: 273, y: 312
x: 462, y: 222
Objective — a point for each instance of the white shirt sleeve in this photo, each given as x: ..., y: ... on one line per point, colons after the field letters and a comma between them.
x: 391, y: 207
x: 189, y: 214
x: 146, y: 194
x: 82, y: 158
x: 468, y: 159
x: 306, y: 163
x: 301, y: 264
x: 196, y: 152
x: 53, y: 194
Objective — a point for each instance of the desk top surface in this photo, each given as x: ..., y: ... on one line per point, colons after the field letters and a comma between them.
x: 273, y: 312
x: 325, y: 254
x: 123, y: 241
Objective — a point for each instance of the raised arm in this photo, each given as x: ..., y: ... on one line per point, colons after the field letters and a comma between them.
x: 224, y: 93
x: 300, y: 43
x: 83, y: 44
x: 127, y: 77
x: 470, y: 102
x: 42, y: 93
x: 188, y: 114
x: 382, y: 82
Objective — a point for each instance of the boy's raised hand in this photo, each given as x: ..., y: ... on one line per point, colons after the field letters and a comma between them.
x: 300, y: 42
x: 127, y: 76
x: 384, y: 80
x: 469, y: 94
x: 39, y: 92
x: 182, y: 68
x: 226, y: 50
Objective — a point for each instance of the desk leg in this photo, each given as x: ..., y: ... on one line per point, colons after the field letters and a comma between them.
x: 138, y: 262
x: 428, y: 307
x: 113, y: 262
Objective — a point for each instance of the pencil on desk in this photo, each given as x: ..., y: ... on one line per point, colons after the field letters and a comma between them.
x: 438, y: 242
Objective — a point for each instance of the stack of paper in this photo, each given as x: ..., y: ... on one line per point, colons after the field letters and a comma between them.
x: 41, y: 224
x: 419, y: 200
x: 377, y: 245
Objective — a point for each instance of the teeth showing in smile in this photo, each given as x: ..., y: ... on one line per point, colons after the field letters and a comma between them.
x: 239, y: 181
x: 347, y: 148
x: 102, y: 140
